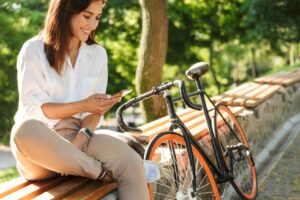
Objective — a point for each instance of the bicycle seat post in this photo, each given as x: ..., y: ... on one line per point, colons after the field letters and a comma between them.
x: 199, y: 84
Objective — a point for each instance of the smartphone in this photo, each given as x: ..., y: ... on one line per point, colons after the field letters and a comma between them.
x: 122, y: 93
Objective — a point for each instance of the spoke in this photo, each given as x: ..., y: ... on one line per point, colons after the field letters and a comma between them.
x: 178, y: 173
x: 159, y: 183
x: 198, y: 187
x: 203, y: 186
x: 170, y: 171
x: 186, y: 180
x: 207, y: 193
x: 199, y: 170
x: 165, y: 195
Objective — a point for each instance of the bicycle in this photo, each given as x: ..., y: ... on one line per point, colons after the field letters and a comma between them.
x: 187, y: 170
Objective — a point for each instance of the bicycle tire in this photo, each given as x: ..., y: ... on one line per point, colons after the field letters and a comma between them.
x: 244, y: 174
x: 160, y: 150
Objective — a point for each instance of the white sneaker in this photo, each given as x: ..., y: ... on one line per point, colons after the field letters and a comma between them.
x: 152, y: 171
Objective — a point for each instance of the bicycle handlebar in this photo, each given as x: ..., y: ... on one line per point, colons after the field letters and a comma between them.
x: 155, y: 91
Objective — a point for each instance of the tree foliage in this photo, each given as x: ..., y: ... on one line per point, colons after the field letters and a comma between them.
x: 19, y: 20
x: 239, y: 38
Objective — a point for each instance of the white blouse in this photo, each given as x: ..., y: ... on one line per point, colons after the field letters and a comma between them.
x: 38, y: 83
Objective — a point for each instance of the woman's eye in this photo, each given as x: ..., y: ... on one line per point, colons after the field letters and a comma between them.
x: 87, y: 17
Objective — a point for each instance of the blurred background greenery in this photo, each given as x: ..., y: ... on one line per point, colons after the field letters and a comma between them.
x: 242, y: 39
x: 8, y: 174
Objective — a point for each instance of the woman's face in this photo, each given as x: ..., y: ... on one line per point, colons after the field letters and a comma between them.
x: 84, y: 23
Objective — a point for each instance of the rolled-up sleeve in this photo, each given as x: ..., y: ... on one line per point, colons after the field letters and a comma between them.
x: 32, y: 84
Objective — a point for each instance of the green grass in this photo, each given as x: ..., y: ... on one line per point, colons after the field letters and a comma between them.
x: 8, y: 174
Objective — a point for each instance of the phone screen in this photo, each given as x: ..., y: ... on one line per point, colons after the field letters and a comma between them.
x: 122, y: 92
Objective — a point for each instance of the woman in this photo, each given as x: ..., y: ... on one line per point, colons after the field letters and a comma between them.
x: 62, y: 78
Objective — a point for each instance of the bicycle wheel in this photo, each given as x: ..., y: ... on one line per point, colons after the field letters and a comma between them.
x: 236, y: 153
x: 169, y: 150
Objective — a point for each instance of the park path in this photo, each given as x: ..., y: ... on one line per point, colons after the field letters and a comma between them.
x: 283, y: 182
x: 6, y: 158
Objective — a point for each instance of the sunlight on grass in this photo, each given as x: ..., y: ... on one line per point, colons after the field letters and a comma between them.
x: 8, y: 174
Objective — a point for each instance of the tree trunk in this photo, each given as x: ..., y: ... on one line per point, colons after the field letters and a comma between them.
x: 152, y: 55
x: 211, y: 56
x: 254, y: 64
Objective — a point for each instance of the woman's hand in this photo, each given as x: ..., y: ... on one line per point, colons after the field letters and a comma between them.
x: 108, y: 176
x: 96, y: 104
x: 100, y: 103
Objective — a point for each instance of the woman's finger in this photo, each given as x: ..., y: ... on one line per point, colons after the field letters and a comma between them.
x: 101, y: 96
x: 109, y: 102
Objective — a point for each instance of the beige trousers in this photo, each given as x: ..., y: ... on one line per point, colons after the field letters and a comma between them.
x: 43, y: 153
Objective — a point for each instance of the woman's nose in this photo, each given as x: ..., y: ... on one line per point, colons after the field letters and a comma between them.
x: 93, y: 24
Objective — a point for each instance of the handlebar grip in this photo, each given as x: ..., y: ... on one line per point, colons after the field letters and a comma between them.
x: 186, y: 99
x: 122, y: 108
x: 120, y: 119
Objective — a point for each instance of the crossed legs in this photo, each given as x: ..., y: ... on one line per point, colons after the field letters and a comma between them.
x: 42, y: 153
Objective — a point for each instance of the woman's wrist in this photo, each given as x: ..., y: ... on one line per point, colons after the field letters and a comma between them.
x: 81, y: 106
x: 86, y: 132
x: 80, y: 140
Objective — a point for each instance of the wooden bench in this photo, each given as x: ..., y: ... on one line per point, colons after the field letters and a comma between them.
x: 251, y: 94
x: 193, y: 119
x: 247, y: 95
x: 68, y: 187
x: 71, y: 187
x: 285, y: 78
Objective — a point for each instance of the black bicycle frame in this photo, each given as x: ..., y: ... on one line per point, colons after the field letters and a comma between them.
x: 190, y: 139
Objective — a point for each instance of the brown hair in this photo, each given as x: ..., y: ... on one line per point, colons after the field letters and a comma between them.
x: 57, y: 29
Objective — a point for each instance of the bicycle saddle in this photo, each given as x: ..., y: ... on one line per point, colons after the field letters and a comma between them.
x: 197, y: 70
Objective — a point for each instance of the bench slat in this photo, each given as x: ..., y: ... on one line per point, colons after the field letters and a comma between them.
x: 163, y: 120
x: 148, y: 135
x: 35, y: 188
x: 237, y: 89
x: 195, y: 122
x: 13, y: 186
x: 281, y: 78
x: 217, y: 98
x: 94, y: 190
x: 262, y: 96
x: 242, y: 92
x: 62, y: 190
x: 101, y: 192
x: 291, y: 80
x: 272, y: 77
x: 201, y: 130
x: 251, y: 95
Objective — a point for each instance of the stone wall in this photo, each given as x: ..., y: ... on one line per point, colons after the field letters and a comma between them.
x: 261, y: 122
